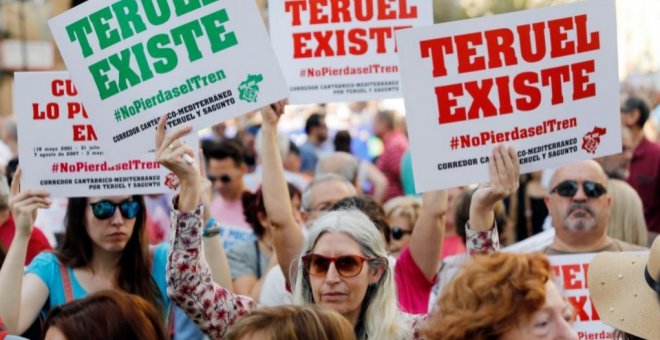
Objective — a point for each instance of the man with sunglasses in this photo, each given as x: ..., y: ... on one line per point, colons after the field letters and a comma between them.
x: 226, y: 169
x: 579, y: 206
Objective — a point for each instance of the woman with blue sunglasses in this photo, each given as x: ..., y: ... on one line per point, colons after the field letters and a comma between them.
x: 105, y: 247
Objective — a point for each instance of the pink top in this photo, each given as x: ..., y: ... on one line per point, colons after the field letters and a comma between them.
x: 394, y: 146
x: 413, y: 288
x: 453, y: 245
x: 229, y: 212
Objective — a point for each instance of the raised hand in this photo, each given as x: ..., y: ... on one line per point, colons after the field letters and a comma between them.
x: 174, y: 154
x: 271, y: 114
x: 504, y: 169
x: 171, y: 151
x: 24, y: 205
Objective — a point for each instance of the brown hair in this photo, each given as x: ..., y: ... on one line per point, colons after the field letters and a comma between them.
x: 489, y: 296
x: 134, y: 266
x: 108, y: 314
x: 294, y: 323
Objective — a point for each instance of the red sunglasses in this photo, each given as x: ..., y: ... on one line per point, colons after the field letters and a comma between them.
x: 347, y: 265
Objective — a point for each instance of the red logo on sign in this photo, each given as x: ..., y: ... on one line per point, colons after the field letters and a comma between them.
x: 591, y: 139
x: 171, y: 181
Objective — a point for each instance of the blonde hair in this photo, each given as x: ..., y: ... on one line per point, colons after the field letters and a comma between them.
x: 407, y: 207
x: 379, y: 307
x: 294, y: 323
x: 626, y: 221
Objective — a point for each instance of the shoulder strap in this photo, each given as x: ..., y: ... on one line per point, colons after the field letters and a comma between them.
x: 256, y: 246
x: 66, y: 283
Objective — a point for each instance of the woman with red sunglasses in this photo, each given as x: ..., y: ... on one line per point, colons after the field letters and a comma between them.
x: 105, y: 247
x: 342, y: 264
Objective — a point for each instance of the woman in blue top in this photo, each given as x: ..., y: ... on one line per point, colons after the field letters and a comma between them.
x: 105, y: 247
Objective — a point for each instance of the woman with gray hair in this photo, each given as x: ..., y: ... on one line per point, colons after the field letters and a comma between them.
x: 342, y: 264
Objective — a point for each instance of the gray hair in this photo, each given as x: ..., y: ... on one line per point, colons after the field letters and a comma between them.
x: 379, y: 307
x: 341, y: 163
x: 306, y: 200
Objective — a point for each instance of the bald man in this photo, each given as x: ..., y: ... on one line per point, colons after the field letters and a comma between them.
x: 579, y: 205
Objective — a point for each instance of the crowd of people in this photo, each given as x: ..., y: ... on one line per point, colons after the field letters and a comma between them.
x: 312, y: 243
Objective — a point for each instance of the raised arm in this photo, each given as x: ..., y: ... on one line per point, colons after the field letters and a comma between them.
x: 189, y: 282
x: 429, y: 232
x: 214, y: 251
x: 504, y: 169
x: 22, y: 297
x: 287, y: 234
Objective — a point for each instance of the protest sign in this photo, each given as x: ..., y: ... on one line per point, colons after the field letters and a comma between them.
x: 570, y: 273
x: 200, y: 62
x: 59, y: 149
x: 544, y: 81
x: 342, y: 50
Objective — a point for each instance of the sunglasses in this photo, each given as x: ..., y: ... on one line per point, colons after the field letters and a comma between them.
x: 105, y: 209
x: 347, y: 265
x: 224, y: 179
x: 397, y: 233
x: 570, y: 188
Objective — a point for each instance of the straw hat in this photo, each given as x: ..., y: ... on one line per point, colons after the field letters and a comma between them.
x: 623, y: 295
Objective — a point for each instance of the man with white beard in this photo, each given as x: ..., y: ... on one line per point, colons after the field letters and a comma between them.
x: 579, y: 205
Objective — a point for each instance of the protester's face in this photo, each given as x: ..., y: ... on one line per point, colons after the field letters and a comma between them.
x: 343, y: 294
x: 552, y: 322
x: 111, y: 234
x: 227, y: 177
x: 292, y: 162
x: 324, y: 195
x: 580, y: 213
x: 295, y: 205
x: 321, y: 132
x: 404, y: 231
x: 380, y: 129
x: 54, y: 333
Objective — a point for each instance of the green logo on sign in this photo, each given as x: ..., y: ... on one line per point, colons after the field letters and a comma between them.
x: 249, y: 89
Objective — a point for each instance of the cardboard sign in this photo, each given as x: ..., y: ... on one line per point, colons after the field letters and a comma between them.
x: 544, y: 81
x: 340, y: 50
x: 200, y: 62
x: 570, y: 273
x: 59, y: 149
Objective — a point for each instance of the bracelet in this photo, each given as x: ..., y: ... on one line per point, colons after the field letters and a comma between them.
x: 212, y: 228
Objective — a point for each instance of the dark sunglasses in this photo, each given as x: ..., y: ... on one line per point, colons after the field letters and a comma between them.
x: 224, y: 179
x: 105, y: 209
x: 397, y: 233
x: 570, y: 188
x: 347, y: 265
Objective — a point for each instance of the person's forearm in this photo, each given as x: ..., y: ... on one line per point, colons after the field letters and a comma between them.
x: 275, y: 190
x: 429, y: 233
x: 482, y: 218
x: 189, y: 282
x: 11, y: 282
x: 189, y: 196
x: 287, y: 236
x: 215, y: 255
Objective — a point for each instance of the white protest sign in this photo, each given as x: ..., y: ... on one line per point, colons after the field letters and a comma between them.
x: 570, y: 273
x: 342, y: 50
x: 199, y: 61
x: 544, y: 81
x: 59, y: 150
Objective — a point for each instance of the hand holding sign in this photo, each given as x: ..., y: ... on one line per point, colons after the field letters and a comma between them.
x: 504, y: 170
x: 24, y: 205
x: 171, y: 152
